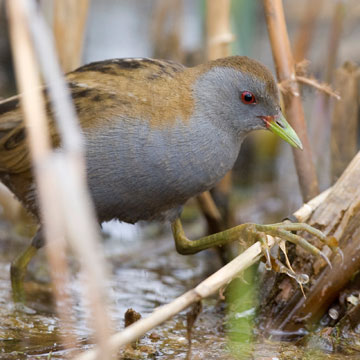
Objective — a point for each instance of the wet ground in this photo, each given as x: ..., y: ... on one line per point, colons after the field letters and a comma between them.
x: 146, y: 272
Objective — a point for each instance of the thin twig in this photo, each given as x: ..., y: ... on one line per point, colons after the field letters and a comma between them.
x: 325, y: 88
x: 301, y: 70
x: 285, y: 86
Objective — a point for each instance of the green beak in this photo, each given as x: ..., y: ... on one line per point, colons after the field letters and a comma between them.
x: 279, y: 126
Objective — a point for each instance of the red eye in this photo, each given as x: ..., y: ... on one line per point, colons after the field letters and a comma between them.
x: 248, y: 98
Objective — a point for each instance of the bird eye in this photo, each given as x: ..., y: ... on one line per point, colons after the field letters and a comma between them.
x: 248, y: 98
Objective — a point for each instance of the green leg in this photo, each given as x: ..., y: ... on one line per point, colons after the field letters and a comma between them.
x: 248, y: 232
x: 185, y: 246
x: 18, y: 271
x: 19, y: 267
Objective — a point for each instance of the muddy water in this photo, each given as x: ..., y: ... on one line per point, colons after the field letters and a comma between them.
x: 145, y: 273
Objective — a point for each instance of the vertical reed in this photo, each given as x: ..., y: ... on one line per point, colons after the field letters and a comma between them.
x: 69, y: 28
x: 285, y: 68
x: 60, y: 175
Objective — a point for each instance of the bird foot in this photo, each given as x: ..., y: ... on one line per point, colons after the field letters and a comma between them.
x: 253, y: 232
x: 285, y: 232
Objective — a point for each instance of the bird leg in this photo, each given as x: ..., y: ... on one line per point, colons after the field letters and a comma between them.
x: 19, y: 267
x: 249, y: 231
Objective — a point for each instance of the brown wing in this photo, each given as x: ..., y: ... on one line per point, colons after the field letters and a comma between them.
x: 14, y: 151
x: 128, y: 89
x: 15, y: 162
x: 14, y: 154
x: 131, y: 68
x: 108, y: 86
x: 119, y: 89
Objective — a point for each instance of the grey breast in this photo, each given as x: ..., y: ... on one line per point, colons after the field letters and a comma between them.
x: 138, y: 172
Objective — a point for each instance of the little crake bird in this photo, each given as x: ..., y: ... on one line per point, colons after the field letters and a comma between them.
x: 156, y: 134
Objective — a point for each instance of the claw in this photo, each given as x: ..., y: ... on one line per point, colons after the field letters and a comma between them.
x: 340, y: 252
x: 265, y: 250
x: 284, y: 231
x: 299, y: 278
x: 268, y: 265
x: 325, y: 258
x: 302, y: 278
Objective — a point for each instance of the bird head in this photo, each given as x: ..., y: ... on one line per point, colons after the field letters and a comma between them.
x: 241, y: 94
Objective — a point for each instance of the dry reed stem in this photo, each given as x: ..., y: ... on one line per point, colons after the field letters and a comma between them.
x: 306, y: 29
x: 69, y: 27
x: 60, y: 174
x: 285, y: 68
x: 334, y: 39
x: 33, y: 104
x: 80, y: 221
x: 208, y: 206
x: 218, y: 30
x: 166, y: 40
x: 209, y: 286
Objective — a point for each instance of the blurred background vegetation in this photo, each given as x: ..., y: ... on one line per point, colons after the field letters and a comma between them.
x: 265, y: 185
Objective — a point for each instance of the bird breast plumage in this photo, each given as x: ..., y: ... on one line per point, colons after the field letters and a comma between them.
x: 138, y: 172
